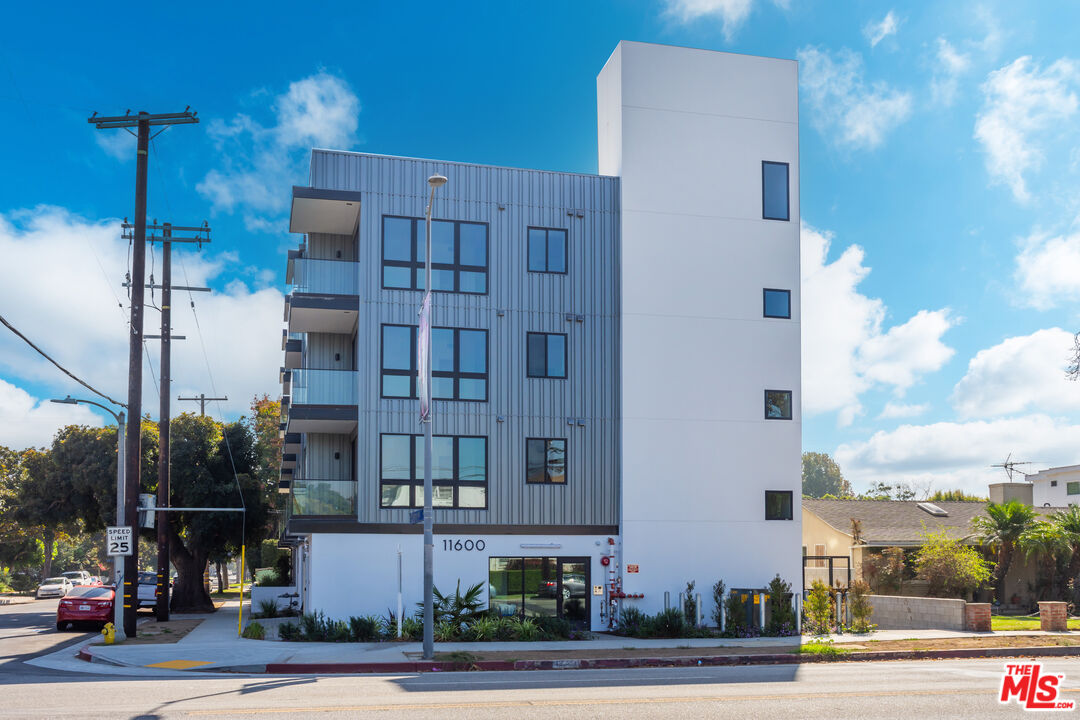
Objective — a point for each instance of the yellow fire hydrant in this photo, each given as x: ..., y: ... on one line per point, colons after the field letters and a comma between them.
x: 109, y: 631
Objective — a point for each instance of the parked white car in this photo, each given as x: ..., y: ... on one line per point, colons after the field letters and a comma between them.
x: 54, y: 587
x: 78, y: 577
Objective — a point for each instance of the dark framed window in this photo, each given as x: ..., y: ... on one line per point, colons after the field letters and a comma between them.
x: 778, y: 505
x: 546, y: 355
x: 1053, y: 483
x: 777, y: 404
x: 547, y: 250
x: 1072, y: 488
x: 539, y: 587
x: 458, y: 471
x: 775, y: 204
x: 459, y: 255
x: 776, y: 303
x: 459, y: 363
x: 545, y: 461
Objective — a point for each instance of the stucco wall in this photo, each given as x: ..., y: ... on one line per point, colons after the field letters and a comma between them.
x: 897, y: 612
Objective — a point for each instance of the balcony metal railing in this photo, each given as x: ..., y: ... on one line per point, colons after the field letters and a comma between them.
x: 324, y: 387
x: 323, y: 498
x: 332, y: 277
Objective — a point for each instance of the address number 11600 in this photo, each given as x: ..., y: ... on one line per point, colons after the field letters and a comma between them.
x: 463, y: 545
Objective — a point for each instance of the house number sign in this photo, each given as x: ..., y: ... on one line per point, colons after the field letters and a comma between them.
x: 468, y: 545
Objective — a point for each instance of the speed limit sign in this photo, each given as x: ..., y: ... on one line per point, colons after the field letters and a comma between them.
x: 118, y: 540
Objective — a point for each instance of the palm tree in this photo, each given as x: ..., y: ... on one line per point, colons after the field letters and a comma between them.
x: 1047, y: 542
x: 1069, y: 522
x: 1001, y: 528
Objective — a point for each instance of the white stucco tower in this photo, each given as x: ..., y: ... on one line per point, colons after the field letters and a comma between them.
x: 707, y: 148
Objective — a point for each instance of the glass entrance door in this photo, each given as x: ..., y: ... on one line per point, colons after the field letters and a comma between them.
x: 574, y: 591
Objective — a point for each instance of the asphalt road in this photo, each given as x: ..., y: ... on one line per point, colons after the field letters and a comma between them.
x: 903, y: 690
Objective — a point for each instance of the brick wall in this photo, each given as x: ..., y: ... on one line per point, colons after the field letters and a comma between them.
x: 977, y: 617
x: 896, y: 612
x: 1052, y: 616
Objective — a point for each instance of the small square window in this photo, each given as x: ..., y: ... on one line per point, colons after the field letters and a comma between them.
x: 777, y: 303
x: 545, y: 461
x: 546, y: 355
x: 778, y: 505
x: 1072, y: 488
x: 547, y: 250
x: 777, y: 404
x: 1053, y: 483
x: 774, y: 191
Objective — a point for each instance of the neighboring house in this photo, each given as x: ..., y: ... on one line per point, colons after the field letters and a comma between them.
x: 827, y: 530
x: 616, y: 357
x: 1055, y: 487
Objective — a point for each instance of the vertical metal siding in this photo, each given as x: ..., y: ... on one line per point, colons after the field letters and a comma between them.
x: 509, y: 200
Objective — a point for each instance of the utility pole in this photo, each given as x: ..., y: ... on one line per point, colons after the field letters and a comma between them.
x: 202, y: 400
x: 161, y: 604
x: 133, y: 445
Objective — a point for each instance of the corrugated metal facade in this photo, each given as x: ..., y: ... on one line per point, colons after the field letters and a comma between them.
x: 509, y: 201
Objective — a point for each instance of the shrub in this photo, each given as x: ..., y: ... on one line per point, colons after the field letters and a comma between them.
x: 527, y: 630
x: 268, y: 609
x: 885, y: 572
x: 950, y: 568
x: 735, y: 617
x: 254, y: 631
x: 446, y: 631
x: 482, y: 628
x: 818, y: 609
x: 507, y: 629
x: 718, y: 603
x: 364, y: 629
x: 689, y: 603
x: 553, y: 628
x: 861, y: 609
x: 457, y: 608
x: 290, y: 632
x: 412, y: 628
x: 632, y: 622
x: 669, y: 623
x: 781, y: 615
x: 269, y: 577
x: 388, y: 625
x: 5, y: 580
x: 316, y: 627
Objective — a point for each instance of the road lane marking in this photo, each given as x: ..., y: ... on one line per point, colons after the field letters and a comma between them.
x: 599, y: 701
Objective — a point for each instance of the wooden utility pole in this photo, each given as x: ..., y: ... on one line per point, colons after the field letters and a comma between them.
x: 133, y: 445
x: 202, y: 400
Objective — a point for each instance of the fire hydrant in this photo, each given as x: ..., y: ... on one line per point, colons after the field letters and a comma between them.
x: 109, y: 631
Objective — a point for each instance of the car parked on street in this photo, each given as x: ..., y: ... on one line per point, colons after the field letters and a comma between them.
x: 86, y: 604
x: 147, y: 590
x: 78, y: 577
x: 53, y: 587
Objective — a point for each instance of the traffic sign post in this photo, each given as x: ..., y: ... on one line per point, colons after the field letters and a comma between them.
x: 119, y: 541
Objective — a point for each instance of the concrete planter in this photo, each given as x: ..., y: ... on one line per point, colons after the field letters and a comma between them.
x: 263, y: 594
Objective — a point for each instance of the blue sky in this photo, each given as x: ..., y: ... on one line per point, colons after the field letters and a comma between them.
x: 939, y: 152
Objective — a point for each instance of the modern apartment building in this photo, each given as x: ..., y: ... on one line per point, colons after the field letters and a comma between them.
x: 616, y: 357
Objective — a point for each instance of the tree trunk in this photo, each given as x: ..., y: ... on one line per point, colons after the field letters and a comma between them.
x: 1002, y: 569
x: 189, y: 594
x: 50, y: 545
x: 220, y: 582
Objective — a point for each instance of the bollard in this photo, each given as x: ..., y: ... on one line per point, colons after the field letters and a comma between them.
x: 723, y: 616
x: 667, y: 600
x: 682, y: 605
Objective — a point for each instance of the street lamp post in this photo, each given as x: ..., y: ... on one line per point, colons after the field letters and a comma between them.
x: 118, y: 560
x: 424, y: 346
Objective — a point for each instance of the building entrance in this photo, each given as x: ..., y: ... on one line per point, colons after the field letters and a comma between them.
x: 540, y: 586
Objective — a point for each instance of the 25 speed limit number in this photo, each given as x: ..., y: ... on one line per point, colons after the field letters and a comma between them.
x: 467, y: 545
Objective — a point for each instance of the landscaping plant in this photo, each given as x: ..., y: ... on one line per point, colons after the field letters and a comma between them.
x: 781, y: 615
x: 268, y: 609
x: 735, y: 617
x: 690, y: 604
x: 254, y: 631
x: 950, y: 568
x: 365, y: 629
x: 861, y: 609
x: 718, y: 603
x: 631, y: 622
x: 818, y: 610
x: 669, y: 623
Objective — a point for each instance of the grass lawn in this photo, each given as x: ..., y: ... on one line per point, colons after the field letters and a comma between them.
x: 232, y: 592
x: 1023, y: 622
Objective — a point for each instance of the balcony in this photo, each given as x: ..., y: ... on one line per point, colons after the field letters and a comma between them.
x: 293, y: 345
x: 324, y: 297
x: 323, y: 498
x: 322, y: 401
x: 323, y: 277
x: 317, y: 210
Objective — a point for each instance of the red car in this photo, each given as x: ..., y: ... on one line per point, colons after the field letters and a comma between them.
x: 86, y: 604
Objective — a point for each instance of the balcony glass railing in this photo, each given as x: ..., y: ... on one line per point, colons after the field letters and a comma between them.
x: 324, y: 497
x: 324, y: 387
x: 332, y: 277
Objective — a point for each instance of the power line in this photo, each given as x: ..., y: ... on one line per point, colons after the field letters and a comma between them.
x: 64, y: 370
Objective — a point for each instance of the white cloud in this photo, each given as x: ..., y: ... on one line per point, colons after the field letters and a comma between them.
x: 843, y: 105
x: 258, y: 162
x: 1025, y: 373
x: 31, y: 422
x: 876, y: 32
x: 846, y: 350
x: 730, y: 13
x: 900, y: 410
x: 60, y: 284
x: 1022, y: 103
x: 1048, y: 269
x: 119, y: 145
x: 957, y: 455
x: 949, y: 65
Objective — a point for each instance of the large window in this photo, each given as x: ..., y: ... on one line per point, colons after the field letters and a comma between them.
x: 458, y: 471
x: 547, y: 250
x: 777, y: 404
x: 1072, y: 488
x: 458, y: 363
x: 459, y: 255
x: 545, y: 461
x: 778, y: 505
x: 546, y: 355
x: 540, y: 587
x: 774, y: 191
x: 777, y: 303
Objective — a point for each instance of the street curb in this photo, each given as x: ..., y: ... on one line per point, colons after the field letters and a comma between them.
x: 617, y: 663
x: 85, y: 654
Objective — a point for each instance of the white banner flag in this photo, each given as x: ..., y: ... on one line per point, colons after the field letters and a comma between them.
x: 423, y: 342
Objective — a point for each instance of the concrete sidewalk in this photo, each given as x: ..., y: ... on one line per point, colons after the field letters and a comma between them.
x: 214, y: 645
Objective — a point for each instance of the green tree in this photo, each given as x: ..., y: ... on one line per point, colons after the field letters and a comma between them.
x: 950, y: 568
x: 954, y: 496
x: 1068, y: 521
x: 821, y: 476
x: 1047, y: 543
x: 20, y: 543
x: 1000, y: 527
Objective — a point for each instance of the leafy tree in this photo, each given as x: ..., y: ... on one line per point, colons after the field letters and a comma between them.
x: 821, y: 476
x: 1048, y: 543
x: 904, y: 491
x: 42, y: 502
x: 950, y: 568
x: 1068, y: 521
x: 954, y: 496
x: 885, y: 571
x: 20, y: 543
x: 1000, y: 527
